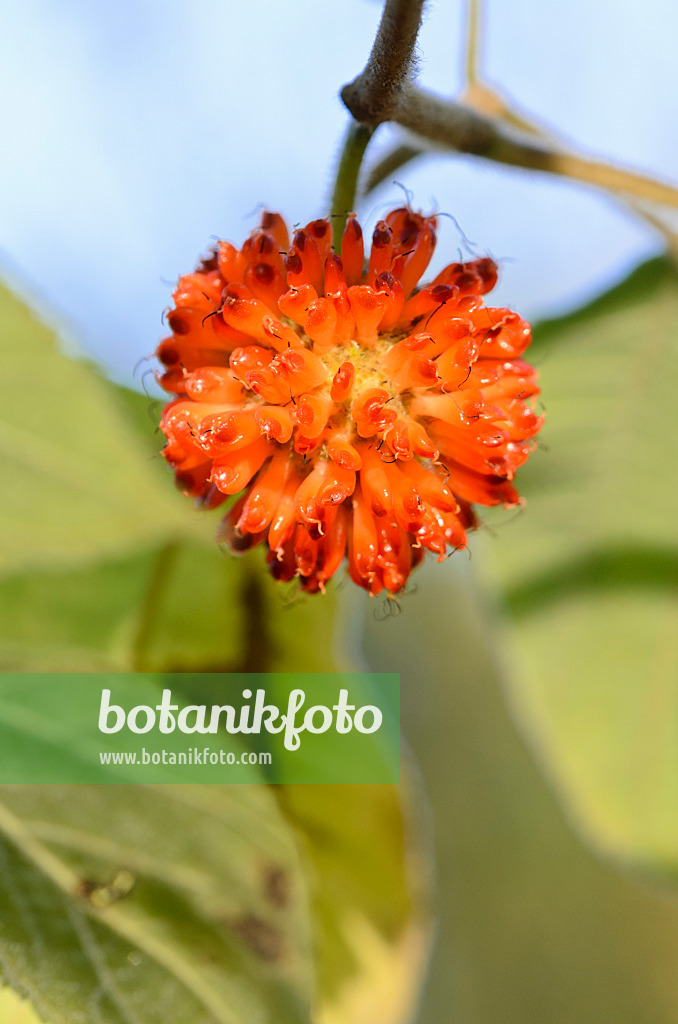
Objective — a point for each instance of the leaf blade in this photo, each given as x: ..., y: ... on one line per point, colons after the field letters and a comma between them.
x: 589, y: 571
x: 78, y: 484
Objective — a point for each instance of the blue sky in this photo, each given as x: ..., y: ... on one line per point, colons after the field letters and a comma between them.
x: 134, y: 132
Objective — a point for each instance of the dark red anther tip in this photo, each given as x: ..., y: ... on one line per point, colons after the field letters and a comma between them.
x: 319, y: 228
x: 382, y: 235
x: 264, y: 273
x: 168, y: 354
x: 293, y: 263
x: 177, y: 323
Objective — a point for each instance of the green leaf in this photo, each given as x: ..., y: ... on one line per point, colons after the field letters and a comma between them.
x: 174, y: 608
x: 148, y: 904
x: 184, y: 607
x: 189, y: 607
x: 191, y: 903
x: 590, y: 570
x: 205, y: 611
x: 77, y: 481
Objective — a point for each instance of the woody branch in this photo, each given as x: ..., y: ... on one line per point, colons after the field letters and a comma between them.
x: 384, y: 91
x: 375, y: 93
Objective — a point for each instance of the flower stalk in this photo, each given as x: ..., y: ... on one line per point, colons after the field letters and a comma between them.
x: 348, y: 171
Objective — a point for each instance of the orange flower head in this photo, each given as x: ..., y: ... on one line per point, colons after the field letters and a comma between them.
x: 353, y: 411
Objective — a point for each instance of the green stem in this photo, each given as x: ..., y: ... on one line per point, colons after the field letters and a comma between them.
x: 346, y: 182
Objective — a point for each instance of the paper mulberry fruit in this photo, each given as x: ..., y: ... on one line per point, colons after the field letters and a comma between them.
x: 352, y: 411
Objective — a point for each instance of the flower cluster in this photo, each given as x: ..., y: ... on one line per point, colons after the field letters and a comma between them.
x: 354, y: 413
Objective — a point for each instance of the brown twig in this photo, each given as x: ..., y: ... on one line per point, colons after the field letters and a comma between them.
x: 389, y: 164
x: 482, y: 123
x: 473, y: 38
x: 452, y: 125
x: 374, y: 94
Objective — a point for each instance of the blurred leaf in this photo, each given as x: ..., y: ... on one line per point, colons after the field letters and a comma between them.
x: 532, y: 926
x: 184, y: 607
x: 77, y: 482
x: 369, y: 869
x: 168, y: 915
x: 190, y: 903
x: 209, y: 612
x: 113, y: 615
x: 590, y: 570
x: 14, y: 1010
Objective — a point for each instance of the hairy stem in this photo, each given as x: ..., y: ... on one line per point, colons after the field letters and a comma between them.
x: 372, y: 96
x: 452, y: 125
